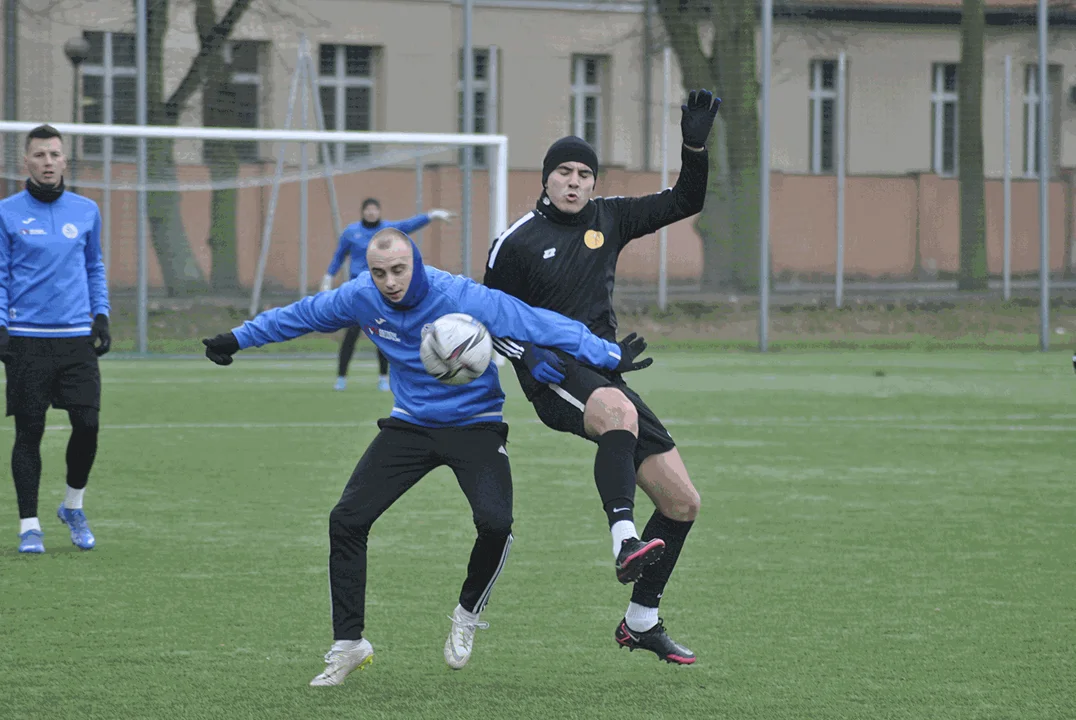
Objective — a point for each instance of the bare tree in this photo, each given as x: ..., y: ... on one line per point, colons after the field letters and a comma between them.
x: 714, y: 43
x: 973, y: 267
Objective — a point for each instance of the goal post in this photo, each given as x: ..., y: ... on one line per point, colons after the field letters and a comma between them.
x: 280, y: 162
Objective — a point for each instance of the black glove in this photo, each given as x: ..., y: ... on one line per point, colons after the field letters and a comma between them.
x: 220, y: 349
x: 99, y: 337
x: 544, y: 365
x: 632, y: 347
x: 5, y: 339
x: 698, y: 117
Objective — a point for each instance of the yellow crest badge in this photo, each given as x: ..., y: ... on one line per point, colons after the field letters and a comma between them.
x: 594, y: 239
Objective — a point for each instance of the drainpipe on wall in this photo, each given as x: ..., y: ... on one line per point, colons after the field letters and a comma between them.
x: 648, y: 91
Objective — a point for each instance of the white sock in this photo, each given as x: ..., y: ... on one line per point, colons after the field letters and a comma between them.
x: 27, y: 524
x: 622, y: 530
x: 346, y: 645
x: 73, y: 500
x: 464, y: 615
x: 641, y: 618
x: 383, y: 377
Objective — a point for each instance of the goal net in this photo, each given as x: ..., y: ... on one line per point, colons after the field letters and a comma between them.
x: 258, y: 213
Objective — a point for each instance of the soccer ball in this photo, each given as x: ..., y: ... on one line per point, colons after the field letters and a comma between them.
x: 455, y: 348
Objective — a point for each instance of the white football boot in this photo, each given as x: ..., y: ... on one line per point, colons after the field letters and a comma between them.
x: 461, y: 637
x: 344, y: 657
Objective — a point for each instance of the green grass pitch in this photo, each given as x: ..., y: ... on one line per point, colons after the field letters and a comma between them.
x: 883, y: 535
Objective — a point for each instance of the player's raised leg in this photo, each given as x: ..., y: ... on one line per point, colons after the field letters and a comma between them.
x: 480, y: 461
x: 394, y: 462
x: 610, y: 418
x: 665, y: 480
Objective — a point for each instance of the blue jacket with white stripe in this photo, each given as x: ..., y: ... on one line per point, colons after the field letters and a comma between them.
x: 397, y: 332
x: 52, y: 277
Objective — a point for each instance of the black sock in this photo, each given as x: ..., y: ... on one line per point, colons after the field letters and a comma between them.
x: 82, y: 447
x: 382, y: 363
x: 26, y: 463
x: 614, y: 474
x: 649, y: 588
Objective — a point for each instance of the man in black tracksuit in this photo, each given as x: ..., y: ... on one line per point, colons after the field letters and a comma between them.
x: 562, y: 256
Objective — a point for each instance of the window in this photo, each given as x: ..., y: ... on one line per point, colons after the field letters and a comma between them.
x: 239, y: 102
x: 346, y: 90
x: 823, y: 99
x: 943, y: 113
x: 1032, y: 121
x: 108, y: 90
x: 586, y: 110
x: 484, y: 83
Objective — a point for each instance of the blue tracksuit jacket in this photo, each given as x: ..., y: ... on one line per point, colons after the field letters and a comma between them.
x: 356, y: 237
x: 419, y: 398
x: 52, y: 278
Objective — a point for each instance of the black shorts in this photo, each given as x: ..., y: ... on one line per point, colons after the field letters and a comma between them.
x: 561, y: 407
x: 61, y: 372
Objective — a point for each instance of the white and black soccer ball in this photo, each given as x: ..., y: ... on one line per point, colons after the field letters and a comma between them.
x: 456, y: 348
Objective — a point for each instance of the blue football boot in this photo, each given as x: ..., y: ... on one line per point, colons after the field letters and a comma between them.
x: 81, y: 536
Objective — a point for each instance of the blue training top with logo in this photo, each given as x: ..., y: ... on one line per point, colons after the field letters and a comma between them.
x: 420, y: 398
x: 356, y: 237
x: 52, y: 277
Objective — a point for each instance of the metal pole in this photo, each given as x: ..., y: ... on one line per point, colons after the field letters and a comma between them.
x: 107, y: 161
x: 663, y: 235
x: 267, y: 231
x: 1006, y: 182
x: 1044, y: 183
x: 648, y: 81
x: 764, y: 179
x: 841, y: 99
x: 73, y: 155
x: 304, y: 197
x: 307, y: 63
x: 420, y: 171
x: 468, y: 127
x: 106, y: 164
x: 11, y: 89
x: 142, y: 62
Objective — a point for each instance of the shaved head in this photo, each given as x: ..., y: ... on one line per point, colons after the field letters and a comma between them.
x: 391, y: 262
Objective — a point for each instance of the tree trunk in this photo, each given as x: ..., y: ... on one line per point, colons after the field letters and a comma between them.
x: 973, y: 268
x: 729, y: 221
x: 178, y: 266
x: 222, y: 159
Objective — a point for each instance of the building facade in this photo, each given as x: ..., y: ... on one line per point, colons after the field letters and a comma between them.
x: 546, y: 68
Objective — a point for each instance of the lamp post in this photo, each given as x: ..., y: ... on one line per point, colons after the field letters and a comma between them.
x: 77, y: 50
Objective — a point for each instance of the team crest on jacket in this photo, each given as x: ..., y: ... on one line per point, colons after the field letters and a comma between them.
x: 70, y: 231
x: 593, y: 239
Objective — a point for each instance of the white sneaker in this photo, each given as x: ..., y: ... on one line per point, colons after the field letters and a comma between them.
x: 461, y: 638
x: 345, y: 656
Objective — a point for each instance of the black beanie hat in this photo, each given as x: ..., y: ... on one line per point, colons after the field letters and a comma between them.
x: 569, y: 149
x: 371, y: 201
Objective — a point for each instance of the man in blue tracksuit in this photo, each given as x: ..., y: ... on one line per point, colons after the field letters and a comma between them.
x: 431, y: 424
x: 53, y: 326
x: 353, y: 242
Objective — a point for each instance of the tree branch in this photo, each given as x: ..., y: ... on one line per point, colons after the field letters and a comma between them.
x: 681, y: 21
x: 209, y: 47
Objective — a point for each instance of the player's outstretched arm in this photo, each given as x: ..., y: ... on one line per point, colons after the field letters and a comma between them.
x: 343, y: 248
x: 507, y: 317
x: 641, y: 216
x: 324, y: 312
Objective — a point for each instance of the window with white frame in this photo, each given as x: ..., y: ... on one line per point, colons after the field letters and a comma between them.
x: 484, y: 80
x: 823, y: 99
x: 1033, y: 121
x: 943, y: 113
x: 346, y: 86
x: 108, y: 90
x: 588, y: 80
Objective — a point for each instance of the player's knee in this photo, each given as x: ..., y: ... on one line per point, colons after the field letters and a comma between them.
x: 344, y: 521
x: 29, y: 428
x: 609, y: 409
x: 494, y: 523
x: 84, y: 419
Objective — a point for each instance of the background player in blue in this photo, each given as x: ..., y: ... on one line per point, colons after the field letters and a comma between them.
x: 53, y: 326
x: 353, y: 242
x: 431, y: 424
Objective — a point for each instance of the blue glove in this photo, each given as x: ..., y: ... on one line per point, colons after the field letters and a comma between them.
x: 544, y: 365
